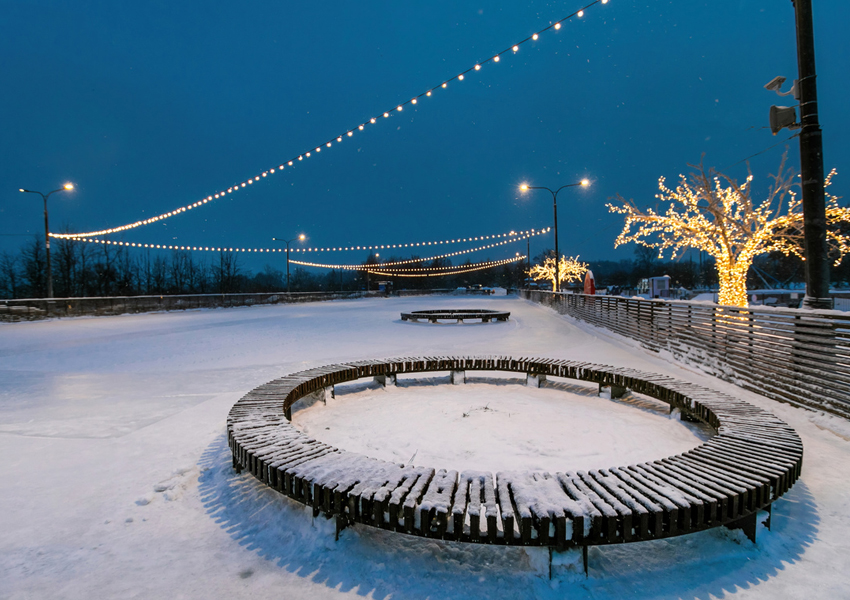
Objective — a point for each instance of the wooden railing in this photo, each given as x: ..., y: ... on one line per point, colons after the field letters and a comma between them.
x: 797, y: 356
x: 39, y: 308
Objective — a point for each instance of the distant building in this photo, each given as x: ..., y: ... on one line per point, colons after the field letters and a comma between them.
x: 654, y: 287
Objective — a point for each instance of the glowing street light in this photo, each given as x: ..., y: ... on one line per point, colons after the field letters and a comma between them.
x: 524, y: 188
x: 65, y: 188
x: 300, y: 238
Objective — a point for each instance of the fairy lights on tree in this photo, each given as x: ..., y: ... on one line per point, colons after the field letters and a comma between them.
x: 711, y: 212
x: 569, y: 269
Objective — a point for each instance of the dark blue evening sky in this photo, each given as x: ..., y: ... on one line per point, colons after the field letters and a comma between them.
x: 153, y: 105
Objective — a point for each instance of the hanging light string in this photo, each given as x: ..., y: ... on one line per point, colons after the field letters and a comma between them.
x: 515, y: 238
x: 468, y: 269
x: 400, y: 270
x: 417, y: 244
x: 513, y: 49
x: 492, y: 236
x: 416, y: 260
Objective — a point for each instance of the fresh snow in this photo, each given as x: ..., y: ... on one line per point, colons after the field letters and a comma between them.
x: 117, y: 480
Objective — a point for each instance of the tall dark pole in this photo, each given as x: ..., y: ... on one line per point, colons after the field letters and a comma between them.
x: 66, y: 187
x: 557, y: 253
x: 583, y: 183
x: 287, y: 267
x: 811, y: 163
x: 47, y: 251
x: 301, y: 238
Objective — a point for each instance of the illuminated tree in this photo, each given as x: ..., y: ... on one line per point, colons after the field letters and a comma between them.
x: 570, y: 269
x: 711, y: 212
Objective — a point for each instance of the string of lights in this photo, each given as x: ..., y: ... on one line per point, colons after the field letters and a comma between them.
x: 467, y: 269
x: 447, y: 268
x: 415, y: 260
x: 515, y: 238
x: 419, y: 244
x: 313, y: 151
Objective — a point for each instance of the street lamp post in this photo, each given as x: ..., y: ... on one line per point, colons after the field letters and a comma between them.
x: 65, y: 188
x: 300, y: 238
x: 525, y: 187
x: 368, y: 284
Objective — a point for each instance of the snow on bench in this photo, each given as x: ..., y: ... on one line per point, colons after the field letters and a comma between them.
x: 456, y: 314
x: 752, y: 460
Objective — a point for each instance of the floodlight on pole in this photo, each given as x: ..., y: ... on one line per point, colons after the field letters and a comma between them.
x: 65, y: 188
x: 524, y: 188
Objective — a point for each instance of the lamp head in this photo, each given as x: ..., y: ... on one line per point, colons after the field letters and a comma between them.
x: 68, y: 186
x: 585, y: 182
x: 523, y: 187
x: 21, y: 190
x: 302, y: 237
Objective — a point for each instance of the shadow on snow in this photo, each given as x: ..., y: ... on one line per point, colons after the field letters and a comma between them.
x: 382, y: 565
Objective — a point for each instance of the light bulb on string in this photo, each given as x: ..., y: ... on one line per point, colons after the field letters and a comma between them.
x: 264, y: 174
x: 448, y: 270
x: 525, y: 235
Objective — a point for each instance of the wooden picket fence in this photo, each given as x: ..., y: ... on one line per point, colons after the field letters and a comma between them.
x: 797, y: 356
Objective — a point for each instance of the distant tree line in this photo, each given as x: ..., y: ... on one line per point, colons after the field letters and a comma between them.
x: 81, y: 270
x: 84, y: 270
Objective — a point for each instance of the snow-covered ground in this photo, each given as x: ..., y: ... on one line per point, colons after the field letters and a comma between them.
x: 116, y: 479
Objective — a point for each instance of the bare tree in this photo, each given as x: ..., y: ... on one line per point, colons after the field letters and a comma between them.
x: 9, y: 275
x: 177, y: 271
x: 35, y: 268
x: 226, y: 274
x: 159, y: 275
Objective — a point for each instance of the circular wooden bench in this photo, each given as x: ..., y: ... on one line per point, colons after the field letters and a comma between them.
x: 456, y: 314
x: 752, y: 460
